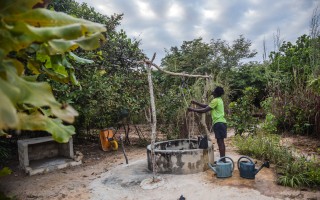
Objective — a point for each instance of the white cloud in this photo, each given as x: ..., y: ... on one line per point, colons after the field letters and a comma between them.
x: 145, y: 10
x: 175, y: 12
x: 165, y: 23
x: 211, y: 14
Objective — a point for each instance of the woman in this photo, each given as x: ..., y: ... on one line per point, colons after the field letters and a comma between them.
x: 217, y: 114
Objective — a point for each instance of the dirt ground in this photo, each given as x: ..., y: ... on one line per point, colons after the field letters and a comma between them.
x: 78, y: 182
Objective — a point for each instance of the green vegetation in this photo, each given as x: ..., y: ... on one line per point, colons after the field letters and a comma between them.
x: 291, y: 105
x: 294, y: 104
x: 5, y: 171
x: 4, y: 197
x: 293, y: 170
x: 173, y: 94
x: 37, y: 42
x: 242, y: 111
x: 113, y: 87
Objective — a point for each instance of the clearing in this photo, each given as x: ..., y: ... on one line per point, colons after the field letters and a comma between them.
x: 104, y: 175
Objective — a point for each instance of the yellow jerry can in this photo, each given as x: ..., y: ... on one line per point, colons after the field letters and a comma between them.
x: 108, y: 141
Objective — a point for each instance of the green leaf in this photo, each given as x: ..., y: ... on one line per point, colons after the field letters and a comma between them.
x: 2, y: 133
x: 39, y: 95
x: 34, y: 66
x: 62, y: 45
x: 37, y: 121
x: 73, y: 77
x: 90, y: 43
x: 46, y: 18
x: 45, y: 59
x: 15, y: 64
x: 8, y: 118
x: 41, y: 40
x: 67, y: 32
x: 86, y: 43
x: 80, y: 60
x: 7, y: 41
x: 58, y: 66
x: 9, y: 7
x: 9, y: 95
x: 60, y: 39
x: 19, y: 31
x: 5, y: 171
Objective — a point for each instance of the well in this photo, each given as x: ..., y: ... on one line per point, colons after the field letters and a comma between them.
x: 181, y: 156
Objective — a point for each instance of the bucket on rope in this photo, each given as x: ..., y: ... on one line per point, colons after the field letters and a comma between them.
x: 203, y: 142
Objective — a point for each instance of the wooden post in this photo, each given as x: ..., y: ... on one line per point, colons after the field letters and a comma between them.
x: 153, y: 118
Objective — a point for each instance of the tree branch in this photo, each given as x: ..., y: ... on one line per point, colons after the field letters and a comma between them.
x: 150, y: 63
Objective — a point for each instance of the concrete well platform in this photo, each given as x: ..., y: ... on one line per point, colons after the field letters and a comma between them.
x: 181, y: 156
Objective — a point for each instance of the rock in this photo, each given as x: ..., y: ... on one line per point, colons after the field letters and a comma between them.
x: 78, y: 156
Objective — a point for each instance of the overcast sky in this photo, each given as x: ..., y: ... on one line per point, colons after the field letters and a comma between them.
x: 161, y: 24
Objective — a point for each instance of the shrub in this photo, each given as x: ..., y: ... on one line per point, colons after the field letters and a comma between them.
x: 270, y: 124
x: 293, y: 171
x: 242, y: 113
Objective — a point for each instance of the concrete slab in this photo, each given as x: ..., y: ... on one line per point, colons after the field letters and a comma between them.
x: 50, y: 164
x: 43, y: 154
x: 123, y: 182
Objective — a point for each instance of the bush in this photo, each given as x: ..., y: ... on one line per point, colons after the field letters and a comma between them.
x: 293, y: 171
x: 264, y: 147
x: 270, y: 124
x: 242, y: 113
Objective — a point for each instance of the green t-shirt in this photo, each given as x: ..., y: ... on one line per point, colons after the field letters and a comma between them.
x: 217, y: 112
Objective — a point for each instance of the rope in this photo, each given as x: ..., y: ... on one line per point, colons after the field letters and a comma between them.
x: 188, y: 119
x: 192, y: 116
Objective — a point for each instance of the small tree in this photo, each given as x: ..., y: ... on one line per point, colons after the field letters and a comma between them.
x: 110, y: 86
x: 242, y: 110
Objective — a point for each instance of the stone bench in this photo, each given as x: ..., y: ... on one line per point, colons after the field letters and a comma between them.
x: 43, y: 154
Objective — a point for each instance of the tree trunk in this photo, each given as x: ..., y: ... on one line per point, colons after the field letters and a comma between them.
x: 203, y: 116
x: 184, y: 129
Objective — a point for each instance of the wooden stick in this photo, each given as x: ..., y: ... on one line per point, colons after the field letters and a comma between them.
x: 153, y: 117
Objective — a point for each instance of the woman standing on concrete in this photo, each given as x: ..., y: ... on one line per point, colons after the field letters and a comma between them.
x: 216, y: 107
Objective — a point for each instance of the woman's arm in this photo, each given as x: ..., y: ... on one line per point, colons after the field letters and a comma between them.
x: 200, y: 110
x: 199, y: 104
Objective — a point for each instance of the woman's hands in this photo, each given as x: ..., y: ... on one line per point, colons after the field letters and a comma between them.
x: 190, y: 109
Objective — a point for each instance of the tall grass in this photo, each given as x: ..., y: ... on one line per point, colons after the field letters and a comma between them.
x: 263, y: 147
x: 293, y: 171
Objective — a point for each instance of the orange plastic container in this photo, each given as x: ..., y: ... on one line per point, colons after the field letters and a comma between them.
x: 107, y: 140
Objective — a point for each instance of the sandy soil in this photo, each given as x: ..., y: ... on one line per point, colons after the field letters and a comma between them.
x: 84, y: 181
x: 68, y: 183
